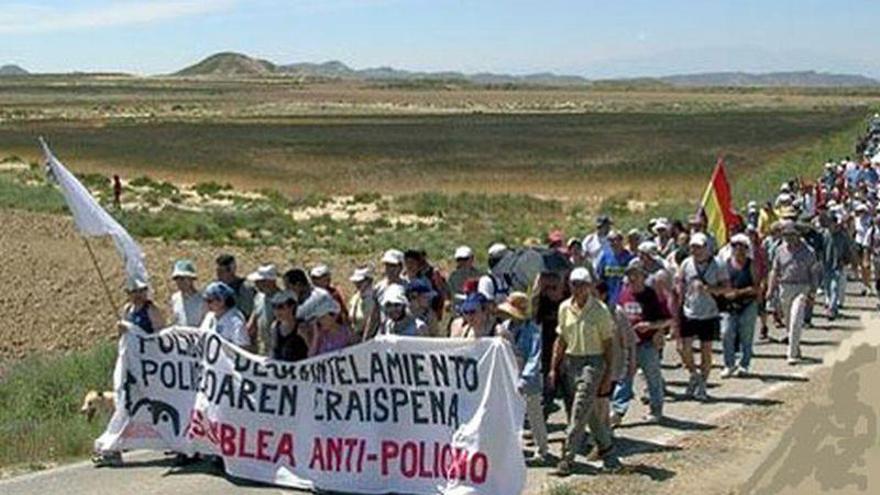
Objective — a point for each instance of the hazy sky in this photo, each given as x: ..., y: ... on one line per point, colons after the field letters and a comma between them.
x: 591, y: 38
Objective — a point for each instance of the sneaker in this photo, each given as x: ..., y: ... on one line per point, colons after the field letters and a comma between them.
x: 538, y: 457
x: 741, y: 372
x: 793, y: 361
x: 563, y: 468
x: 701, y: 394
x: 614, y: 419
x: 107, y: 459
x: 727, y: 373
x: 652, y: 419
x: 692, y: 385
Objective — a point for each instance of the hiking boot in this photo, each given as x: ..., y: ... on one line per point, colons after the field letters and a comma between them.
x: 563, y: 468
x: 700, y: 393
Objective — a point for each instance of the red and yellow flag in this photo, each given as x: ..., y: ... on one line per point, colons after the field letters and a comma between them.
x: 717, y: 205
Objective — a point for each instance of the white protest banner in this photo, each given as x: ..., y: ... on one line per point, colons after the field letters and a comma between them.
x: 396, y: 414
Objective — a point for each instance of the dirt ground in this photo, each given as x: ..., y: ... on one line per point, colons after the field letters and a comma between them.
x: 53, y: 299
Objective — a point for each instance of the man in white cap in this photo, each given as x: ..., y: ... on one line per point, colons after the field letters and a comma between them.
x: 399, y: 320
x: 361, y: 304
x: 795, y: 272
x: 863, y: 224
x: 322, y: 277
x: 700, y: 281
x: 140, y: 310
x: 187, y: 305
x: 493, y: 287
x: 259, y: 325
x: 663, y: 236
x: 392, y: 262
x: 464, y: 270
x: 583, y: 348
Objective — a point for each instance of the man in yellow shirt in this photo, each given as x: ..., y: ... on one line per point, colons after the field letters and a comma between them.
x: 584, y: 349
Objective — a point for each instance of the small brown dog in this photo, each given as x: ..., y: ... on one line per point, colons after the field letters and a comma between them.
x: 95, y: 401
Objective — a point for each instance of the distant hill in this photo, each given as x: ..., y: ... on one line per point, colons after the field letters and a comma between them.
x: 12, y: 70
x: 773, y: 79
x: 229, y: 64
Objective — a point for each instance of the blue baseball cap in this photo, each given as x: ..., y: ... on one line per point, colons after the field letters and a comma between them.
x: 420, y: 286
x: 218, y: 290
x: 474, y: 302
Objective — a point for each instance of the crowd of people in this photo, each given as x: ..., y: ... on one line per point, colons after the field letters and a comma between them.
x: 584, y: 336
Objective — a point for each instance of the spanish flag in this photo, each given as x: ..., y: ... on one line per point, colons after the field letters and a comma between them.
x: 717, y: 205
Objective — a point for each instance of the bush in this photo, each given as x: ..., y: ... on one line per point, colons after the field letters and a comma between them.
x: 211, y: 188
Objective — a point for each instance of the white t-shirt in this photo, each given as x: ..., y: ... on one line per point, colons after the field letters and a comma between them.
x: 188, y: 311
x: 493, y: 288
x: 863, y: 224
x: 594, y: 244
x: 230, y: 325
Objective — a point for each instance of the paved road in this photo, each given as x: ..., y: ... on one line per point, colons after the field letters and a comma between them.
x: 153, y: 474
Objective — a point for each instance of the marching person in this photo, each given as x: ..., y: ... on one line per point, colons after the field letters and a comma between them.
x: 700, y: 280
x: 493, y: 287
x: 140, y: 310
x: 399, y: 320
x: 611, y: 265
x: 835, y: 259
x: 287, y: 343
x: 322, y: 277
x: 223, y: 317
x: 464, y: 270
x: 319, y: 325
x: 187, y: 305
x: 362, y: 302
x: 242, y: 291
x: 416, y: 266
x: 420, y: 295
x: 794, y: 273
x: 583, y: 347
x: 597, y: 241
x: 739, y: 318
x: 477, y: 318
x: 525, y: 336
x: 259, y: 324
x: 649, y: 318
x: 392, y: 262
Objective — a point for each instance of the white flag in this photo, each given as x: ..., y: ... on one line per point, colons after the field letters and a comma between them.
x: 92, y: 220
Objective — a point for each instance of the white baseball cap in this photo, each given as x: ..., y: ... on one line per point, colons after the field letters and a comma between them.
x: 463, y: 253
x: 497, y: 249
x: 580, y: 274
x: 394, y: 294
x: 648, y: 247
x: 741, y: 239
x: 264, y: 272
x: 361, y: 274
x: 699, y: 239
x: 393, y: 257
x: 319, y: 271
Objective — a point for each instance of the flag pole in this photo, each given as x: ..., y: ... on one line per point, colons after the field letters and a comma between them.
x: 101, y: 276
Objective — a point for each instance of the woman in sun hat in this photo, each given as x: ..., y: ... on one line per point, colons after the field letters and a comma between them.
x: 187, y: 305
x: 525, y: 336
x: 319, y: 324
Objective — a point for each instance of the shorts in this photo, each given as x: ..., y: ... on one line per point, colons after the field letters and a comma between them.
x: 705, y: 330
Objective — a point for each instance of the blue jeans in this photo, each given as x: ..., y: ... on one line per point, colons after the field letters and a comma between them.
x: 737, y: 334
x: 835, y: 284
x: 648, y: 359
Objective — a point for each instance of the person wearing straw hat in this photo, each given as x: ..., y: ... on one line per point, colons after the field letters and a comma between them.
x: 139, y: 310
x: 187, y: 306
x: 223, y: 317
x: 525, y: 336
x: 362, y: 302
x: 265, y: 279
